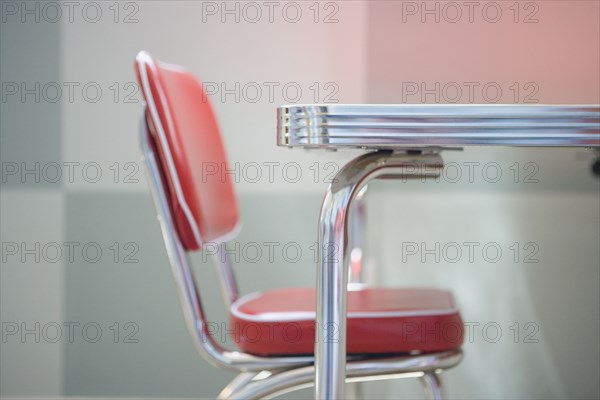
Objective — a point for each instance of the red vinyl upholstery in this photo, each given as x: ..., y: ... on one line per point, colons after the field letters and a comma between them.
x: 380, y: 320
x: 190, y: 151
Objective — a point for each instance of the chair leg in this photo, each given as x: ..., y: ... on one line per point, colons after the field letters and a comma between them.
x: 261, y: 385
x: 236, y: 384
x: 432, y: 383
x: 353, y: 391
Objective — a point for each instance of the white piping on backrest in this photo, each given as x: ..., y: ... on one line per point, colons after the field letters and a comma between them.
x: 145, y: 59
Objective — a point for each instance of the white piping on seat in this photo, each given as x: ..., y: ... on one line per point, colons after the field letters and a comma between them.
x: 297, y: 316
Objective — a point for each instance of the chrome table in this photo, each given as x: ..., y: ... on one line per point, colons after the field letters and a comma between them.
x: 404, y: 141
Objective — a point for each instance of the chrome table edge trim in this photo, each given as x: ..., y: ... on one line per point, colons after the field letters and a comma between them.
x: 373, y: 126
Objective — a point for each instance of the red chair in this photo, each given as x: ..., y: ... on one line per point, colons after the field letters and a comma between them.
x: 391, y: 332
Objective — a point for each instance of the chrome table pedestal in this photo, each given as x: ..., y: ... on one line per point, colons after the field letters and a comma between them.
x: 405, y: 141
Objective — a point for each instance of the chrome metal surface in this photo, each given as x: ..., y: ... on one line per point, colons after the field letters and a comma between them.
x: 332, y: 272
x: 432, y: 383
x: 229, y: 285
x: 354, y: 391
x: 356, y: 267
x: 280, y: 382
x: 238, y: 383
x: 333, y: 126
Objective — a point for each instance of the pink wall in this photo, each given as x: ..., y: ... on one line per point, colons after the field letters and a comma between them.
x: 558, y: 54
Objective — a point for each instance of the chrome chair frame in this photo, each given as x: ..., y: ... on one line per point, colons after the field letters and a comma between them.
x: 332, y: 274
x: 262, y: 377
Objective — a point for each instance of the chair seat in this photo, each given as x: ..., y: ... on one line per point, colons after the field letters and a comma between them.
x: 380, y: 320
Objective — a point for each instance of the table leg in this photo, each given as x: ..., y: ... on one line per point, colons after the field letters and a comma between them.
x: 332, y: 272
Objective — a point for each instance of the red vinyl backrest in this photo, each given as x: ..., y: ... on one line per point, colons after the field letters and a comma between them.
x: 190, y: 152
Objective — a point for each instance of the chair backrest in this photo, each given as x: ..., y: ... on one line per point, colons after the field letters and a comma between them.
x: 179, y: 138
x: 190, y: 153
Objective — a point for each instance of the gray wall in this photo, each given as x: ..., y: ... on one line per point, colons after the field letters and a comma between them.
x: 31, y: 210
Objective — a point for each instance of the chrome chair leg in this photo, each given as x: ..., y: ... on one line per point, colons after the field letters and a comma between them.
x: 236, y: 384
x: 432, y: 384
x: 332, y: 272
x: 267, y: 385
x: 354, y: 391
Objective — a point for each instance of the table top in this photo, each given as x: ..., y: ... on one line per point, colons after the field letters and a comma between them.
x: 389, y: 126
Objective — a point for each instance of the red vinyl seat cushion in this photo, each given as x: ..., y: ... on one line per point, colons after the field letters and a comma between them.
x: 380, y: 320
